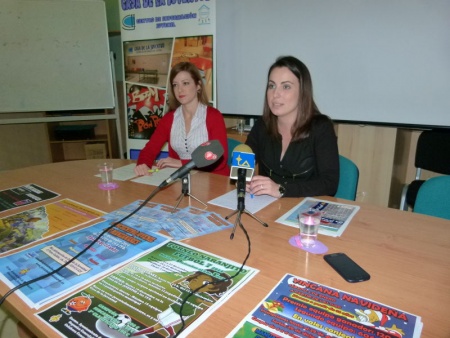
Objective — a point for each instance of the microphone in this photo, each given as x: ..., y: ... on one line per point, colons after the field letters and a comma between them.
x: 244, y: 158
x: 242, y: 168
x: 204, y: 155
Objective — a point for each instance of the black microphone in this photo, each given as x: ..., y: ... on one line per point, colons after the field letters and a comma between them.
x: 204, y: 155
x: 242, y: 168
x: 241, y: 189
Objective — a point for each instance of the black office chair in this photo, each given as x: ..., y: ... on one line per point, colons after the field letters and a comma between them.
x: 432, y: 154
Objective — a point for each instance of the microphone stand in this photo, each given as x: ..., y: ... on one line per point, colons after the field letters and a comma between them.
x: 241, y: 204
x: 185, y: 187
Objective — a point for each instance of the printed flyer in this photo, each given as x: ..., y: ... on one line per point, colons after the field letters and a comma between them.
x: 114, y: 248
x: 179, y: 224
x: 335, y: 216
x: 31, y: 225
x: 298, y: 307
x: 148, y: 295
x: 24, y: 195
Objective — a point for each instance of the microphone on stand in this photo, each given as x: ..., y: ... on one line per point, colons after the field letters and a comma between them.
x: 242, y: 168
x: 204, y: 155
x: 244, y: 158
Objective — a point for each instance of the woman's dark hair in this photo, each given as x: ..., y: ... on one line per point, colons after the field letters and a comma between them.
x: 196, y: 76
x: 307, y: 106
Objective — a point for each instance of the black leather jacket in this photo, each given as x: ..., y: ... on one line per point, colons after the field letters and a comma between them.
x: 310, y: 167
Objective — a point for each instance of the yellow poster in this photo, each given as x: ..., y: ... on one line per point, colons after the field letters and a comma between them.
x: 31, y: 225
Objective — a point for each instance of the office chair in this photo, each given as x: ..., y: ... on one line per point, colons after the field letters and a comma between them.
x: 432, y: 154
x: 348, y: 179
x: 232, y: 143
x: 433, y: 198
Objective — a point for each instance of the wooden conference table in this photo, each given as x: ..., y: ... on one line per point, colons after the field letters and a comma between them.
x: 407, y: 255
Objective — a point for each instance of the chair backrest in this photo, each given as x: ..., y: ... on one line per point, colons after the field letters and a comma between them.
x: 433, y: 197
x: 433, y: 151
x: 232, y: 143
x: 348, y: 179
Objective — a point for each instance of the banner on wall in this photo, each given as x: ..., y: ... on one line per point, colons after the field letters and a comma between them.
x: 155, y: 36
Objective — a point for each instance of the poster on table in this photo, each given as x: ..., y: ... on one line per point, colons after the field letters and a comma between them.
x: 155, y: 36
x: 34, y: 224
x: 335, y: 216
x: 297, y: 307
x: 177, y: 223
x: 111, y: 248
x: 24, y: 195
x: 146, y: 297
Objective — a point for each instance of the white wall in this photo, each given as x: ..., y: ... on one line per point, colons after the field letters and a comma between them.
x: 376, y: 61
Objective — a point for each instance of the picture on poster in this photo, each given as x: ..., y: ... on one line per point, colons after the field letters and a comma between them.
x: 147, y: 67
x: 154, y: 39
x: 28, y: 226
x: 147, y: 61
x: 145, y: 107
x: 199, y: 51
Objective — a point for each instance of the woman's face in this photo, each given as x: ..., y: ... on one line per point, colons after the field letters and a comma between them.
x: 184, y: 88
x: 283, y: 92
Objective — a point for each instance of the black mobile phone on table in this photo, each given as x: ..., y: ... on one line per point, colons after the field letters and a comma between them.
x: 346, y: 267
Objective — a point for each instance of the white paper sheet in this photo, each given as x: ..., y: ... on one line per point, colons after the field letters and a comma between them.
x: 252, y: 204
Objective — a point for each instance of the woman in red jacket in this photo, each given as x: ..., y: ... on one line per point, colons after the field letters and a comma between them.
x: 189, y: 123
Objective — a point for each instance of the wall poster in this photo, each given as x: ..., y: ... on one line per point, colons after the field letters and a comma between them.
x: 155, y: 36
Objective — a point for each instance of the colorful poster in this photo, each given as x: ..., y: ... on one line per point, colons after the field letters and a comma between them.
x: 24, y: 195
x: 145, y: 107
x: 298, y: 307
x: 112, y: 248
x: 157, y: 35
x: 31, y: 225
x: 177, y: 223
x: 335, y: 216
x: 173, y: 284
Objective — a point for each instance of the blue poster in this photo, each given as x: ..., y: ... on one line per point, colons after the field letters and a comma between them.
x: 112, y: 249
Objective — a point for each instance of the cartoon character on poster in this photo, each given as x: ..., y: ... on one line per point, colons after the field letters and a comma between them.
x: 145, y: 107
x: 213, y: 288
x: 379, y: 320
x: 78, y: 304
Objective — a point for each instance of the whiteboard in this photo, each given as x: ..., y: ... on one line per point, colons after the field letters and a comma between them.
x: 371, y: 61
x: 54, y: 56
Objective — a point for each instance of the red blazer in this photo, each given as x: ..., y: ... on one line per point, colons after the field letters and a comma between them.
x: 215, y: 126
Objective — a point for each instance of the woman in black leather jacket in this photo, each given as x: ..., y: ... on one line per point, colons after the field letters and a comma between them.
x: 295, y: 145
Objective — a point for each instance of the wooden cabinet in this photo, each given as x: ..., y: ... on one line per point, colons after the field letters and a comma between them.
x: 81, y: 139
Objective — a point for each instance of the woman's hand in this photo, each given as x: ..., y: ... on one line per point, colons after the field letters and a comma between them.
x: 263, y: 185
x: 141, y: 170
x: 168, y: 162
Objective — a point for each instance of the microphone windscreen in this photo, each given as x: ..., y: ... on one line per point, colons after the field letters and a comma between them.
x: 243, y: 158
x: 243, y: 148
x: 207, y: 153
